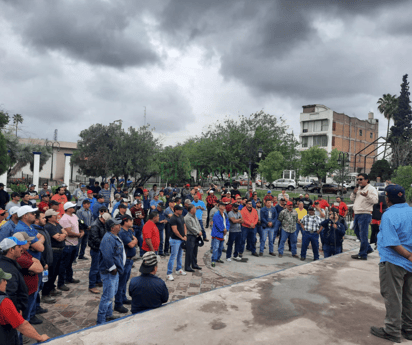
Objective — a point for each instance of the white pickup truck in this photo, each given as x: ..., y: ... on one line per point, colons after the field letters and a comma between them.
x: 306, y: 181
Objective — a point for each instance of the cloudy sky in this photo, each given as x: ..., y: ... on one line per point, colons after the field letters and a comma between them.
x: 69, y: 64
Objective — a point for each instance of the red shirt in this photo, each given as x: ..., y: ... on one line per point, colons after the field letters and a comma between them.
x: 342, y: 209
x: 61, y: 199
x: 210, y: 199
x: 322, y: 203
x: 136, y: 212
x: 268, y: 197
x: 9, y: 314
x: 42, y: 207
x: 151, y: 231
x: 32, y: 281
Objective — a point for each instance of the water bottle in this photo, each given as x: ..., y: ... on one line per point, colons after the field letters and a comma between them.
x: 45, y: 276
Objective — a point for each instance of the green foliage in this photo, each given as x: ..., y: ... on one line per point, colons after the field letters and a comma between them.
x: 315, y: 161
x: 388, y: 105
x: 19, y: 188
x: 110, y: 150
x: 403, y: 177
x: 381, y: 168
x: 272, y: 166
x: 174, y: 165
x: 4, y: 119
x: 4, y: 157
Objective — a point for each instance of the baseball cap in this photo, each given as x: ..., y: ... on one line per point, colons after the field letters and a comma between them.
x: 110, y: 223
x: 23, y: 236
x: 211, y: 191
x: 311, y: 208
x: 51, y: 212
x: 68, y: 205
x: 300, y: 194
x: 89, y: 192
x: 25, y: 209
x: 178, y: 208
x: 319, y: 195
x: 32, y: 185
x: 106, y: 216
x: 187, y: 185
x: 5, y: 275
x: 54, y: 202
x: 395, y: 192
x: 103, y: 208
x: 64, y: 185
x: 150, y: 260
x: 99, y: 196
x: 45, y: 195
x: 138, y: 194
x: 11, y: 242
x: 13, y: 210
x: 83, y: 186
x: 269, y: 191
x: 1, y: 184
x: 289, y: 203
x: 145, y: 190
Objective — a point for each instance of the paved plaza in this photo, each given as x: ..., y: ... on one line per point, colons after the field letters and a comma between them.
x: 77, y: 308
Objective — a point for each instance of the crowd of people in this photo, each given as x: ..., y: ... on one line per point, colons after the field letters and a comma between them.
x: 42, y: 235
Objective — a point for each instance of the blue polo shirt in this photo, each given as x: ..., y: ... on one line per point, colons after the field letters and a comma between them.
x: 7, y: 230
x: 127, y: 237
x: 154, y: 203
x: 395, y: 230
x: 162, y: 216
x: 199, y: 213
x: 32, y: 232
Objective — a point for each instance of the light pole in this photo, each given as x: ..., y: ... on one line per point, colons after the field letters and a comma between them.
x: 52, y: 144
x: 343, y: 158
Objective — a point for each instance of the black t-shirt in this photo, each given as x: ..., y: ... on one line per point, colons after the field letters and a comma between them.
x: 53, y: 230
x: 179, y: 222
x: 96, y: 189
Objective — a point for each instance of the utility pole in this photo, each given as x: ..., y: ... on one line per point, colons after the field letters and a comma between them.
x: 55, y: 134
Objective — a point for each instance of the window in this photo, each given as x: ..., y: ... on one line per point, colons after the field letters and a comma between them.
x: 317, y: 126
x: 334, y: 126
x: 320, y: 140
x: 305, y: 128
x: 360, y: 132
x: 371, y: 135
x: 333, y: 141
x: 324, y: 125
x: 305, y: 141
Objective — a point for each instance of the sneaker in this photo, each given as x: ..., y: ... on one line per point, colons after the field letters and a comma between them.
x: 41, y: 311
x: 213, y: 264
x: 357, y: 240
x: 229, y: 259
x: 121, y: 309
x: 260, y: 254
x: 181, y: 272
x: 223, y: 250
x: 54, y: 292
x: 302, y: 259
x: 83, y: 258
x: 220, y: 261
x: 240, y: 256
x: 170, y: 277
x: 48, y: 299
x: 35, y: 321
x: 63, y: 288
x: 406, y: 334
x: 380, y: 333
x: 236, y: 258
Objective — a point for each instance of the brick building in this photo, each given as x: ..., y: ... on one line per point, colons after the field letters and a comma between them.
x: 328, y: 129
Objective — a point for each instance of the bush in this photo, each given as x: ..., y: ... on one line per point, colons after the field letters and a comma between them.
x: 19, y: 188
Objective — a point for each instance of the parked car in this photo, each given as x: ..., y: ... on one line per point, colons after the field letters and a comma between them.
x: 283, y: 183
x: 242, y: 182
x: 331, y: 188
x: 306, y: 181
x: 313, y: 187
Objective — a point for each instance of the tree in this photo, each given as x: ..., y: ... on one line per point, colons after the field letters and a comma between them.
x: 387, y: 106
x: 403, y: 177
x: 4, y: 157
x: 315, y: 161
x: 110, y: 150
x: 17, y: 118
x: 4, y: 119
x: 272, y: 166
x: 175, y: 166
x: 381, y: 168
x: 401, y: 131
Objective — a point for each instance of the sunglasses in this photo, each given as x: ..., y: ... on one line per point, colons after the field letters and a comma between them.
x: 359, y: 179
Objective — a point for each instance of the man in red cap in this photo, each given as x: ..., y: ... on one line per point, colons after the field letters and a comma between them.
x: 288, y: 218
x: 186, y: 192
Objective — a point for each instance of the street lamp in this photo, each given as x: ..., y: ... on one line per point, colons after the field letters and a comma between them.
x: 251, y: 154
x: 343, y: 158
x: 52, y: 144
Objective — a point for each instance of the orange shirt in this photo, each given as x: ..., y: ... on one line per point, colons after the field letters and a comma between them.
x: 249, y: 217
x: 61, y: 199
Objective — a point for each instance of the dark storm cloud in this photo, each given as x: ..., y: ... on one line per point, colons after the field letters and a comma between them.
x: 276, y: 47
x: 98, y: 32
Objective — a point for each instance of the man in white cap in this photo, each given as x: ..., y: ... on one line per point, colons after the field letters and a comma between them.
x: 70, y: 223
x: 7, y: 229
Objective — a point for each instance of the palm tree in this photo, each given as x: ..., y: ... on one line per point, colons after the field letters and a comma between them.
x: 17, y: 118
x: 387, y: 106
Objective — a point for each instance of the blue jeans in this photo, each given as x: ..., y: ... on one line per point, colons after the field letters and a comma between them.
x: 110, y: 285
x: 66, y: 269
x: 249, y: 236
x: 176, y: 254
x: 161, y: 235
x: 83, y: 243
x: 203, y: 229
x: 217, y: 247
x: 277, y: 229
x: 314, y: 240
x: 31, y: 305
x: 265, y: 233
x: 258, y: 231
x: 284, y: 236
x: 138, y: 234
x: 361, y: 224
x: 94, y: 274
x: 234, y: 237
x: 299, y: 228
x: 123, y: 278
x: 331, y: 250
